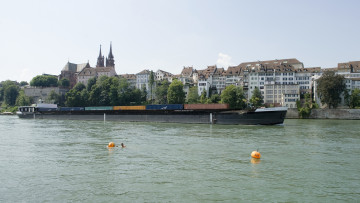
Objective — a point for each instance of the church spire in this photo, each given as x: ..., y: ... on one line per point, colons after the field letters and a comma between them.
x: 110, y: 62
x: 100, y: 60
x: 110, y: 54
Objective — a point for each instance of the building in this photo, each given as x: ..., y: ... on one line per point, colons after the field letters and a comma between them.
x: 281, y: 95
x: 163, y: 75
x: 70, y: 72
x: 83, y: 72
x: 131, y: 79
x: 86, y: 73
x: 142, y: 81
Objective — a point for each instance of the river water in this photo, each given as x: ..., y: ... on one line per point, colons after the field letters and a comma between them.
x: 68, y: 161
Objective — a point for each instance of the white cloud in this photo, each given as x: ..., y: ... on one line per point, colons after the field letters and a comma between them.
x: 223, y: 61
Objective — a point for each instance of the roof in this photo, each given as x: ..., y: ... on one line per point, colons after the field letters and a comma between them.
x: 88, y: 71
x: 309, y: 70
x: 166, y: 74
x: 187, y: 71
x: 144, y: 72
x: 128, y: 76
x: 104, y: 69
x: 275, y: 62
x: 354, y: 66
x: 72, y: 67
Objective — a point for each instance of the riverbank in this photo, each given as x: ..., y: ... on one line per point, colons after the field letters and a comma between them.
x: 340, y: 114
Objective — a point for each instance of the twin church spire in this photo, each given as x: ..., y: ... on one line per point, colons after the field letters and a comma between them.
x: 110, y: 62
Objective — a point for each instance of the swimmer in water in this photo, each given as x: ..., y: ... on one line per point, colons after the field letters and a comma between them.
x: 122, y: 145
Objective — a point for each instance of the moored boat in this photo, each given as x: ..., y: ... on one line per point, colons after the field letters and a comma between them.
x: 171, y: 113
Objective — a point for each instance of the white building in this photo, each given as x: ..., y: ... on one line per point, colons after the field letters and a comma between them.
x: 163, y: 75
x: 281, y: 95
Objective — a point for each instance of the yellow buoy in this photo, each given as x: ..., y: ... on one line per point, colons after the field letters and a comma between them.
x: 255, y: 154
x: 111, y: 144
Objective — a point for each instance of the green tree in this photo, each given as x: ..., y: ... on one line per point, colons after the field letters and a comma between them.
x: 4, y: 85
x: 161, y: 92
x: 94, y: 95
x: 214, y: 99
x: 23, y: 83
x: 64, y: 82
x: 176, y: 94
x: 10, y: 94
x: 256, y: 99
x: 53, y: 97
x: 355, y: 98
x: 329, y: 88
x: 234, y: 96
x: 44, y: 81
x: 135, y: 97
x: 76, y: 97
x: 193, y: 96
x: 22, y: 99
x: 151, y: 84
x: 203, y: 97
x: 143, y: 94
x: 91, y: 83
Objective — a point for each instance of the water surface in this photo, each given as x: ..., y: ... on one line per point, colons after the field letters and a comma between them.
x: 68, y: 161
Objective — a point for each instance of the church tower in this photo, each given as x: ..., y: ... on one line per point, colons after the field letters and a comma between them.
x: 110, y: 62
x: 100, y: 60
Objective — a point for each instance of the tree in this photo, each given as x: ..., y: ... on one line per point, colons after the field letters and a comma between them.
x: 4, y: 85
x: 203, y: 97
x: 176, y: 94
x: 22, y: 99
x: 91, y: 82
x: 193, y: 96
x: 64, y: 82
x: 151, y: 83
x: 44, y: 81
x: 234, y: 96
x: 143, y: 94
x: 256, y: 99
x: 94, y: 95
x: 354, y: 99
x: 214, y: 99
x: 23, y: 83
x: 10, y: 94
x: 77, y: 96
x: 161, y: 92
x: 53, y: 97
x: 329, y: 88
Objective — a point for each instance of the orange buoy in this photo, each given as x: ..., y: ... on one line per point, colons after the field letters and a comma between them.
x: 255, y: 154
x: 111, y: 144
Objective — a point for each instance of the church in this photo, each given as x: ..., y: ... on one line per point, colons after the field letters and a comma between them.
x: 76, y: 73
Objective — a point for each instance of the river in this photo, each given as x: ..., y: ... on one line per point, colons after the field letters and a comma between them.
x: 68, y: 161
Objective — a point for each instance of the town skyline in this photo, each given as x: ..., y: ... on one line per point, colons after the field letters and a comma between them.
x: 153, y: 35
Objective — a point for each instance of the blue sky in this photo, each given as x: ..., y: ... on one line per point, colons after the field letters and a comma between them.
x: 39, y: 37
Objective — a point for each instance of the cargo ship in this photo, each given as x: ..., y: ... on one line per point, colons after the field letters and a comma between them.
x: 167, y: 113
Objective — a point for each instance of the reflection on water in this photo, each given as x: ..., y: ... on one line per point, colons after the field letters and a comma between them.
x: 302, y: 160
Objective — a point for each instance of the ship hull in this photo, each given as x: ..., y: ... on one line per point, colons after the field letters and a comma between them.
x: 161, y: 116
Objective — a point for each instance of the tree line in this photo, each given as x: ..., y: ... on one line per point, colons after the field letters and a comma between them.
x: 114, y: 91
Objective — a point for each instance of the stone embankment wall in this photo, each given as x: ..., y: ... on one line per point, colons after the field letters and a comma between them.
x: 343, y: 114
x: 292, y: 113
